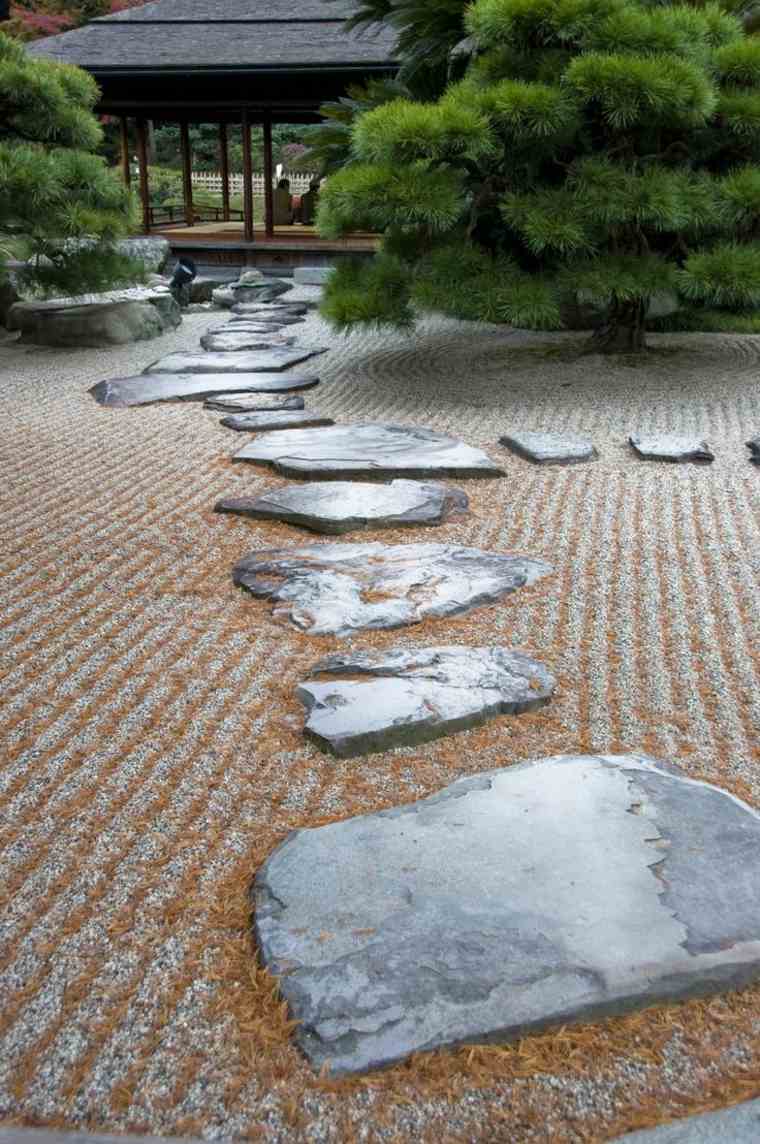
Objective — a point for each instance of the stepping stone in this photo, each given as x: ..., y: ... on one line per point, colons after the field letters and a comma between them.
x: 335, y: 589
x: 144, y: 389
x: 253, y: 361
x: 244, y: 340
x: 258, y: 422
x: 250, y: 403
x: 369, y: 450
x: 550, y: 448
x: 265, y: 290
x: 246, y: 326
x: 275, y: 320
x: 410, y: 696
x: 547, y: 892
x: 295, y: 309
x: 336, y: 507
x: 754, y: 450
x: 671, y: 447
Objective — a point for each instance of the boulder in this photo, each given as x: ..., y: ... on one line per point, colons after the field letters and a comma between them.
x: 223, y: 297
x: 265, y: 290
x: 372, y: 701
x: 339, y: 588
x: 255, y: 361
x: 153, y: 252
x: 378, y: 450
x: 145, y: 389
x: 259, y: 422
x: 543, y: 893
x: 202, y: 288
x: 337, y: 507
x: 671, y: 447
x: 549, y: 448
x: 115, y: 317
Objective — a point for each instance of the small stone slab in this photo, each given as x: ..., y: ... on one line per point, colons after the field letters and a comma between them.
x: 144, y: 389
x: 370, y: 449
x: 237, y: 342
x: 671, y: 447
x: 404, y: 697
x: 550, y: 448
x: 246, y: 326
x: 260, y: 422
x: 254, y: 361
x: 754, y: 450
x: 274, y: 321
x: 250, y: 403
x: 262, y: 290
x: 339, y: 588
x: 295, y: 309
x: 546, y: 892
x: 337, y: 507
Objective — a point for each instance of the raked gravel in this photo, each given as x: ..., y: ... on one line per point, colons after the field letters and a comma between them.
x: 152, y: 740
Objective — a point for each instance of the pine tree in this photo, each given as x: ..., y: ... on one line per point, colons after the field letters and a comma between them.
x: 52, y: 186
x: 602, y: 150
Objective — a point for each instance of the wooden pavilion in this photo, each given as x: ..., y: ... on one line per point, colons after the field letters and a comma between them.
x: 243, y: 62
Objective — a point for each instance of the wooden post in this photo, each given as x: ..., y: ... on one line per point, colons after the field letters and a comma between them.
x: 126, y: 172
x: 268, y: 170
x: 247, y: 180
x: 187, y: 173
x: 224, y: 167
x: 142, y: 162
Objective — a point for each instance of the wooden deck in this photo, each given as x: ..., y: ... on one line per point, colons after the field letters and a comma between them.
x: 223, y: 243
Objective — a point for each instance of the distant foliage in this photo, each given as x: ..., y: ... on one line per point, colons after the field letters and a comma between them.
x: 32, y: 19
x: 604, y: 151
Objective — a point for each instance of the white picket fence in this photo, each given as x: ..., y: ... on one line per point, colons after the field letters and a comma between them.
x: 212, y: 181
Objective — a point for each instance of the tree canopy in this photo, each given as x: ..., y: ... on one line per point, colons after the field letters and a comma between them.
x: 53, y: 187
x: 602, y: 150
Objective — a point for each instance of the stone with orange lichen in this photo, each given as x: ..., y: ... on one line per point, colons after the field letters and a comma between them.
x: 340, y: 588
x: 371, y: 701
x: 544, y: 893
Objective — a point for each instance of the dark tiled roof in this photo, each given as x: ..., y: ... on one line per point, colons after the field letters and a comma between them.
x: 243, y: 34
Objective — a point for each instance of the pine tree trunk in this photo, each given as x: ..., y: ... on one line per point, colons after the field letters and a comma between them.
x: 623, y: 329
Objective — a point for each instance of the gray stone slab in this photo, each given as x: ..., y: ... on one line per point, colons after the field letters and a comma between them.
x: 276, y: 320
x: 144, y: 389
x: 260, y: 422
x: 336, y: 507
x: 250, y: 403
x: 754, y: 450
x: 246, y: 326
x: 255, y: 361
x: 263, y: 290
x: 311, y: 275
x: 369, y: 450
x: 408, y: 696
x: 543, y: 893
x: 244, y: 309
x: 223, y: 297
x: 671, y: 447
x: 550, y: 448
x: 737, y: 1125
x: 339, y: 588
x: 238, y: 341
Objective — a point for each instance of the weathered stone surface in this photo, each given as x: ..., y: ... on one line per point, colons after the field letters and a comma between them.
x: 250, y: 277
x: 311, y: 296
x: 265, y: 290
x: 261, y: 422
x: 671, y: 447
x: 276, y: 320
x: 370, y: 449
x: 223, y: 297
x: 408, y: 696
x: 546, y: 892
x: 256, y: 361
x: 250, y: 403
x: 113, y: 324
x: 145, y: 388
x: 202, y: 288
x: 336, y: 507
x: 754, y: 449
x: 243, y: 309
x: 342, y: 587
x: 244, y: 340
x: 311, y: 275
x: 550, y: 448
x: 153, y: 252
x: 739, y: 1124
x: 240, y: 328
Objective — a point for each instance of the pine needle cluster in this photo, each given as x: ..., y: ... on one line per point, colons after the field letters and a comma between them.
x: 601, y: 150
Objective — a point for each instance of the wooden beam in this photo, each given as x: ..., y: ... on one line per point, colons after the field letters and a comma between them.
x: 247, y: 180
x: 142, y: 162
x: 224, y: 168
x: 268, y: 173
x: 126, y: 172
x: 187, y: 172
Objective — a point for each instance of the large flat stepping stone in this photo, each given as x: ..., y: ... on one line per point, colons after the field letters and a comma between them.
x: 547, y: 892
x: 255, y: 361
x: 754, y: 450
x: 261, y: 421
x: 247, y: 326
x: 374, y: 449
x: 237, y: 342
x: 250, y: 403
x: 671, y: 447
x: 341, y: 587
x: 550, y: 448
x: 407, y: 696
x: 144, y: 389
x: 294, y: 309
x: 336, y: 507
